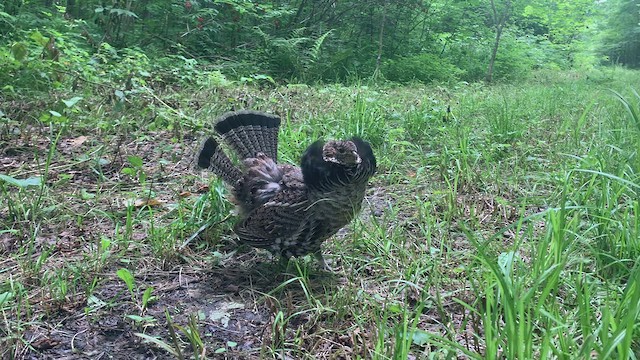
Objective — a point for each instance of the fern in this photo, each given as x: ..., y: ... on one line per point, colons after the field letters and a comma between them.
x: 314, y: 52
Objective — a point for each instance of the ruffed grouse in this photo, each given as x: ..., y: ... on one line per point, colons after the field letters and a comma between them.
x: 286, y: 209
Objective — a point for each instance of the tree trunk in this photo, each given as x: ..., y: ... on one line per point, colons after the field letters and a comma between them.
x: 499, y: 20
x: 494, y: 53
x: 71, y: 10
x: 380, y: 38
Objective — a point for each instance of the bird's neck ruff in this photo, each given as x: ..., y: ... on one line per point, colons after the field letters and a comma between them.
x: 324, y: 175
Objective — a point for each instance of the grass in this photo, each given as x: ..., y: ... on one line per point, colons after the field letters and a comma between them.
x: 504, y: 223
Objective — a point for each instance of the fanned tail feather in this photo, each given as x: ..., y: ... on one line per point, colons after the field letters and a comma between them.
x: 250, y: 132
x: 212, y: 157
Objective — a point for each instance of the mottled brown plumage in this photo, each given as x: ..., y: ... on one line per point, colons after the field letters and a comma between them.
x: 286, y: 209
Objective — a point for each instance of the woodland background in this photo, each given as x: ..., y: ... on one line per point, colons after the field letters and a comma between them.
x: 305, y: 41
x: 503, y: 221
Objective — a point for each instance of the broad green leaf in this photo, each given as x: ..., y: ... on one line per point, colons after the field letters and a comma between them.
x: 420, y: 337
x: 123, y: 12
x: 72, y: 101
x: 395, y: 308
x: 135, y: 161
x: 21, y: 183
x: 126, y: 276
x: 128, y: 171
x: 38, y: 38
x: 105, y: 244
x: 505, y: 261
x: 6, y: 296
x: 137, y: 318
x: 7, y: 16
x: 147, y: 297
x: 158, y: 342
x: 85, y: 195
x: 19, y: 51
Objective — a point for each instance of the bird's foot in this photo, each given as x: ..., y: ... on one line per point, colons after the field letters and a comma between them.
x: 323, y: 263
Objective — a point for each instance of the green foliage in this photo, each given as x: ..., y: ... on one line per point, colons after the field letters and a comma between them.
x: 424, y: 68
x: 296, y: 57
x: 620, y: 38
x: 300, y: 41
x: 470, y: 54
x: 514, y: 61
x: 632, y: 106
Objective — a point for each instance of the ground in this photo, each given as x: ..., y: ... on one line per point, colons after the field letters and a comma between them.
x: 122, y: 249
x: 226, y: 292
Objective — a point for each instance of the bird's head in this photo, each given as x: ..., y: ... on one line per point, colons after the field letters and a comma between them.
x: 337, y: 162
x: 341, y: 152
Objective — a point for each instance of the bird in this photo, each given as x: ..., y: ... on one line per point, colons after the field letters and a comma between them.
x: 286, y: 209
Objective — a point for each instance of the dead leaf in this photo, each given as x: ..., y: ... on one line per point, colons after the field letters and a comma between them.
x: 147, y: 202
x: 74, y: 143
x: 222, y: 314
x: 45, y: 343
x: 185, y: 194
x: 139, y: 236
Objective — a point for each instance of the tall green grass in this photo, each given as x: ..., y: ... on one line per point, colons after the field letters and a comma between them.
x: 503, y: 224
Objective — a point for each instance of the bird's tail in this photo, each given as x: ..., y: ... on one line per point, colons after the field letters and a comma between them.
x: 247, y: 133
x: 250, y: 132
x: 212, y: 157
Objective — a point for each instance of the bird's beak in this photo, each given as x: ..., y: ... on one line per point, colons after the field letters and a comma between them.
x: 357, y: 157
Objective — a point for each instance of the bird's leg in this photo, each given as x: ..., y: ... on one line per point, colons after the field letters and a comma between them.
x: 322, y: 262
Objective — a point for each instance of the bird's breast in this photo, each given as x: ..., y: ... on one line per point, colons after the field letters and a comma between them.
x: 338, y: 206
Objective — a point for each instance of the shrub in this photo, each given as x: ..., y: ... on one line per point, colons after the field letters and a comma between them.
x: 424, y: 68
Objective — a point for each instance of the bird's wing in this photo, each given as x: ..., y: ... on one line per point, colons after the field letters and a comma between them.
x: 283, y: 217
